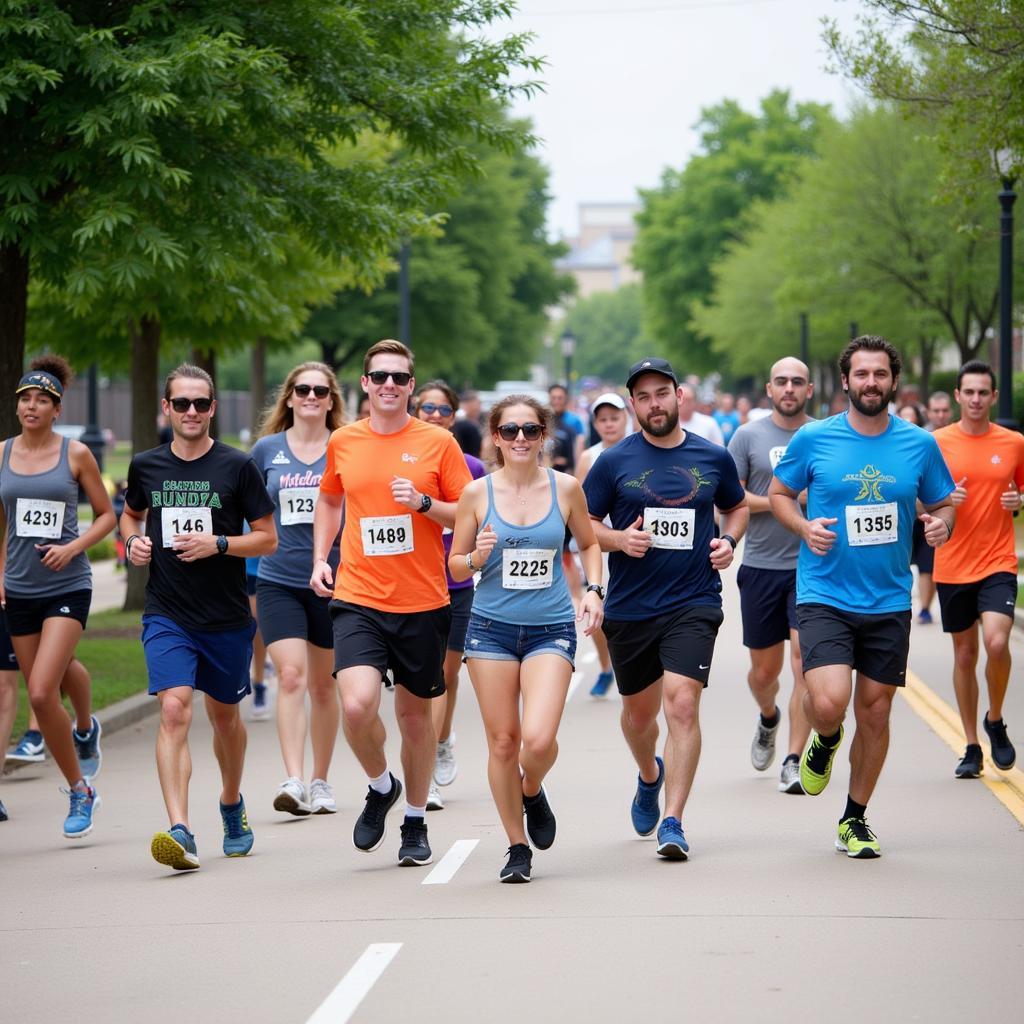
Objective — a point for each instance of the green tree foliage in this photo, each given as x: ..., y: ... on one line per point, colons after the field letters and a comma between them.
x: 609, y: 332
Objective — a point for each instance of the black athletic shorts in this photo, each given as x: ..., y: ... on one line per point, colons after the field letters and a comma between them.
x: 922, y: 553
x: 411, y: 644
x: 767, y: 605
x: 462, y: 608
x: 681, y: 641
x: 8, y: 659
x: 293, y: 613
x: 25, y: 615
x: 876, y: 645
x: 963, y: 603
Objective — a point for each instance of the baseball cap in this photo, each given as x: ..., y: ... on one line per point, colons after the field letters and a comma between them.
x: 652, y: 365
x: 608, y: 398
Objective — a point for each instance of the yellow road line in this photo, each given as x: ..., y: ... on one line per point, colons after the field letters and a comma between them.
x: 944, y: 721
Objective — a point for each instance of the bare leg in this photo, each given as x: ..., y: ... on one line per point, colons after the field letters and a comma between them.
x: 259, y: 649
x: 872, y: 704
x: 544, y: 681
x: 289, y: 657
x: 229, y: 742
x: 324, y: 708
x: 763, y: 677
x: 604, y: 658
x: 359, y: 687
x: 77, y: 687
x: 682, y: 748
x: 965, y: 679
x: 419, y: 747
x: 925, y: 590
x: 8, y: 706
x: 640, y: 727
x: 995, y: 631
x: 443, y: 708
x: 829, y: 689
x: 173, y: 759
x: 799, y: 727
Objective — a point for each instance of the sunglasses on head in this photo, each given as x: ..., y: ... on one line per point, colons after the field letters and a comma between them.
x: 381, y: 377
x: 510, y: 431
x: 320, y: 390
x: 182, y: 404
x: 431, y: 407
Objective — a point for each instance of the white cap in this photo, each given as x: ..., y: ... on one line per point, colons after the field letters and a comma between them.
x: 608, y: 398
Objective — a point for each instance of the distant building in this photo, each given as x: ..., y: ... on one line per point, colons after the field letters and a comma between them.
x: 599, y: 254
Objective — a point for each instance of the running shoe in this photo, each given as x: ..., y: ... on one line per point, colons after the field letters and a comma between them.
x: 372, y: 824
x: 672, y: 844
x: 83, y: 804
x: 90, y: 757
x: 434, y: 801
x: 855, y: 839
x: 924, y: 617
x: 321, y: 797
x: 645, y: 811
x: 762, y: 750
x: 291, y: 798
x: 602, y: 684
x: 789, y: 780
x: 175, y: 848
x: 816, y: 764
x: 415, y: 849
x: 970, y: 765
x: 3, y: 811
x: 238, y: 837
x: 1003, y: 752
x: 29, y: 749
x: 540, y: 820
x: 445, y: 768
x: 517, y: 868
x: 389, y: 682
x: 260, y: 704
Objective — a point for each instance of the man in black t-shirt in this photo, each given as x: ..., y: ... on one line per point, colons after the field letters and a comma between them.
x: 183, y: 514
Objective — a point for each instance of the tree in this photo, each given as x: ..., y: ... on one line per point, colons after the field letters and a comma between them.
x: 609, y: 332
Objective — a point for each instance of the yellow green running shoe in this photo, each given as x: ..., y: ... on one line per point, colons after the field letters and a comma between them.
x: 816, y: 764
x: 857, y: 840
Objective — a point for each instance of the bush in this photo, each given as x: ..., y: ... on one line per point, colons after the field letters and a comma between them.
x: 104, y: 550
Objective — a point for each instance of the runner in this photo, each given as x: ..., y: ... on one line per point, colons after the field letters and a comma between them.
x: 693, y: 421
x: 291, y: 454
x: 767, y: 577
x: 922, y: 554
x: 258, y: 666
x: 660, y: 486
x: 863, y: 471
x: 47, y: 581
x: 977, y: 570
x: 521, y: 641
x: 400, y: 479
x: 940, y: 411
x: 8, y: 692
x: 183, y: 516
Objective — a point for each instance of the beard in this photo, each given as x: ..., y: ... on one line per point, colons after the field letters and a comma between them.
x: 874, y: 404
x: 662, y: 429
x: 794, y: 408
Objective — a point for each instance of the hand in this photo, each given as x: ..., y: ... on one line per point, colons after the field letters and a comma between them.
x: 405, y: 494
x: 818, y: 537
x: 55, y: 556
x: 140, y: 550
x: 191, y: 547
x: 635, y: 541
x: 1010, y: 499
x: 485, y: 541
x: 935, y: 530
x: 959, y: 495
x: 3, y: 593
x: 591, y: 613
x: 722, y: 553
x: 322, y: 580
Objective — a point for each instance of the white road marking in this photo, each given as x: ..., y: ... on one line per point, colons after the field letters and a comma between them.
x: 590, y: 657
x: 444, y: 870
x: 577, y: 678
x: 339, y: 1006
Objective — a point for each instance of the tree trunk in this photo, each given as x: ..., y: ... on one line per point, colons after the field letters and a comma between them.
x: 258, y: 387
x: 927, y: 348
x: 207, y: 361
x: 13, y: 303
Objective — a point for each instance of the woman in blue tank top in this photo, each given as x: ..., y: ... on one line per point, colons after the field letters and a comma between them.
x: 521, y: 640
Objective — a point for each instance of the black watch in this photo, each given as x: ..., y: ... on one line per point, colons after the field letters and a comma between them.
x: 730, y: 538
x: 425, y: 502
x: 222, y: 545
x: 596, y: 588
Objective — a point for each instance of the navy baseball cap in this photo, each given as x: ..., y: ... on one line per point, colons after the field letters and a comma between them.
x: 652, y: 365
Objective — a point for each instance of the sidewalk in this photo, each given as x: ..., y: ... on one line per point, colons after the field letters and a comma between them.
x: 108, y: 585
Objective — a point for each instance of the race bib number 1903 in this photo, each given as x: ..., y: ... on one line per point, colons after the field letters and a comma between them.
x: 671, y: 527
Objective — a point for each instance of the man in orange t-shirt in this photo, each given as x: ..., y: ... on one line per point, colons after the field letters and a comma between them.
x: 401, y: 479
x: 976, y: 570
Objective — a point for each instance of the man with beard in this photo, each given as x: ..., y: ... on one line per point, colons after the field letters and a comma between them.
x: 767, y: 577
x: 660, y: 487
x: 863, y: 471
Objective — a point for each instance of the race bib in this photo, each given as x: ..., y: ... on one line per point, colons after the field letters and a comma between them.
x: 386, y: 535
x: 671, y: 527
x: 186, y: 521
x: 872, y: 524
x: 298, y: 505
x: 39, y: 518
x: 527, y: 568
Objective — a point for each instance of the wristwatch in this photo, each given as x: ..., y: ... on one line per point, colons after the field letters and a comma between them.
x: 596, y: 588
x: 222, y: 545
x: 425, y: 502
x: 730, y: 538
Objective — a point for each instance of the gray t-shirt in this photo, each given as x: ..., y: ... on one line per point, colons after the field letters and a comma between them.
x: 756, y: 448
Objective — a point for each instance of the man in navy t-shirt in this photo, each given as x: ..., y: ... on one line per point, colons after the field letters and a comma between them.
x: 660, y: 488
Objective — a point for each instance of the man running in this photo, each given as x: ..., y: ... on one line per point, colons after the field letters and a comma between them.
x: 863, y: 471
x: 401, y: 479
x: 976, y: 572
x: 183, y: 517
x: 660, y: 487
x: 767, y: 577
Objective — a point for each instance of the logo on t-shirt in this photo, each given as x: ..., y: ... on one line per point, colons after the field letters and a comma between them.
x: 996, y: 460
x: 775, y: 455
x: 870, y: 480
x: 693, y: 476
x: 280, y: 459
x: 406, y: 457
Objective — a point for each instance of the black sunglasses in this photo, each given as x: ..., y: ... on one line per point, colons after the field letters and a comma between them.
x: 201, y: 404
x: 381, y: 377
x: 431, y: 407
x: 320, y: 390
x: 510, y: 431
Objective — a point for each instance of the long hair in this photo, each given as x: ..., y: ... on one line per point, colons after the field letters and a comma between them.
x: 279, y: 417
x: 544, y: 416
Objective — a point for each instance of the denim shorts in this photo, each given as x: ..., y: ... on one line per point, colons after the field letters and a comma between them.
x: 491, y: 640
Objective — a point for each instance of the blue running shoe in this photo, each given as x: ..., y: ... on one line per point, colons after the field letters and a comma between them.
x: 30, y: 748
x: 84, y: 802
x: 238, y: 836
x: 645, y: 811
x: 176, y: 848
x: 90, y: 757
x: 672, y: 844
x: 602, y: 684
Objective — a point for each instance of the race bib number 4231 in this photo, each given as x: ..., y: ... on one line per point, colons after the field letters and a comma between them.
x: 35, y: 517
x: 671, y: 527
x: 184, y: 521
x: 386, y: 535
x: 872, y: 524
x: 527, y: 568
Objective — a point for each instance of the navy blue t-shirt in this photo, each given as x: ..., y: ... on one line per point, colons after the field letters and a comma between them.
x: 675, y: 489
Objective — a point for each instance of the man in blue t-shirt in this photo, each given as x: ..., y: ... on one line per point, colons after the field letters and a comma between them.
x: 864, y: 472
x: 660, y: 488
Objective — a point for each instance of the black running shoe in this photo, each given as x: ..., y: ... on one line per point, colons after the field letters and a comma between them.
x: 970, y: 764
x: 372, y: 825
x: 520, y: 860
x: 540, y: 821
x: 1003, y: 752
x: 415, y: 848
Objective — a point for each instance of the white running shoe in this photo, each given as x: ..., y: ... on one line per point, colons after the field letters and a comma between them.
x: 762, y: 749
x: 321, y: 797
x: 445, y: 768
x: 291, y: 798
x: 789, y: 780
x: 434, y: 801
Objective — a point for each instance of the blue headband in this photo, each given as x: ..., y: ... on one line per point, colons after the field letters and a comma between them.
x: 42, y: 380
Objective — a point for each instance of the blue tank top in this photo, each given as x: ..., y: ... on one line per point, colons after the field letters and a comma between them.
x: 522, y: 582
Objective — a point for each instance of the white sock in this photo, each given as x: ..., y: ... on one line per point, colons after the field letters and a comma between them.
x: 415, y: 812
x: 382, y: 784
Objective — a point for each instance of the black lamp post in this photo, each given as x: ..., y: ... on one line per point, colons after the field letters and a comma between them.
x: 805, y: 340
x: 92, y: 436
x: 568, y: 343
x: 1005, y: 161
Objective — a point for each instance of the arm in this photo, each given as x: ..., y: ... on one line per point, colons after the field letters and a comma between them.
x: 138, y: 547
x: 583, y: 466
x: 733, y: 522
x: 405, y: 494
x: 467, y: 540
x: 591, y: 610
x: 326, y: 523
x: 755, y: 502
x: 786, y: 508
x: 634, y: 541
x: 938, y: 521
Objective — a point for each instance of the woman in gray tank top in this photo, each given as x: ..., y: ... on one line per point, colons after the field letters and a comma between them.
x: 47, y: 584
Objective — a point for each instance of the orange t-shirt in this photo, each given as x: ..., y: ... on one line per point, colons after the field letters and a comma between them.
x: 983, y: 539
x: 392, y: 558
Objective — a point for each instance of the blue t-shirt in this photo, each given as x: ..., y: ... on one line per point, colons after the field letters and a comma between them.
x: 869, y: 485
x: 675, y: 489
x: 728, y: 423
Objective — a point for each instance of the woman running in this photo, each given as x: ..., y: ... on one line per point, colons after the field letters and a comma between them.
x: 47, y: 581
x: 521, y: 641
x: 296, y: 625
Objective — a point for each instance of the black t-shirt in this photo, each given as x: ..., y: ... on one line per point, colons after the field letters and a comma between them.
x: 213, y: 493
x: 469, y: 436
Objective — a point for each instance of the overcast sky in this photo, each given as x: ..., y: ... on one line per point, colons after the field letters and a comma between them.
x: 627, y: 80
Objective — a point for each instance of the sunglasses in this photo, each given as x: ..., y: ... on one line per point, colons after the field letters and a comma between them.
x: 182, y: 404
x: 510, y: 431
x: 431, y: 407
x: 320, y: 390
x: 381, y: 377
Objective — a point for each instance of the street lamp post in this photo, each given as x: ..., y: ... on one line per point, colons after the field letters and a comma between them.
x: 805, y: 341
x: 568, y: 343
x: 92, y: 436
x: 1005, y: 161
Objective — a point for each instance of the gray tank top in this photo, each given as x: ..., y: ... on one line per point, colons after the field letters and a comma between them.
x: 41, y: 508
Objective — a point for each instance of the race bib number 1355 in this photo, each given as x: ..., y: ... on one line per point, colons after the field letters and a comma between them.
x: 872, y: 524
